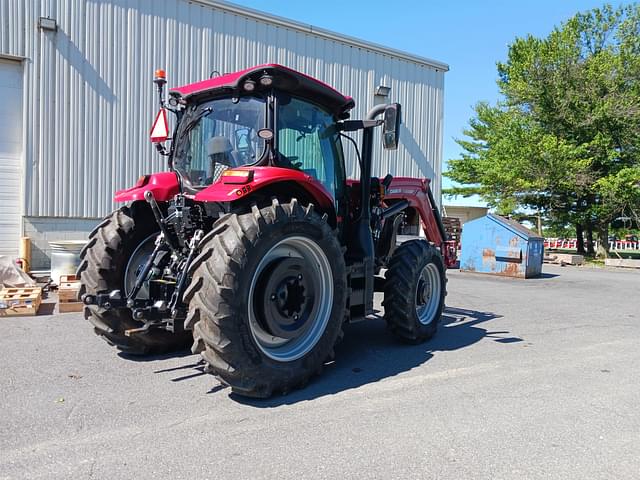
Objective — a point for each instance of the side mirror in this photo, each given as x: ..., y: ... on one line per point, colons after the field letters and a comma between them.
x: 391, y: 126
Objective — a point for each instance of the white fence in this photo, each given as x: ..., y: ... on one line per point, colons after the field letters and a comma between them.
x: 624, y: 245
x: 571, y: 244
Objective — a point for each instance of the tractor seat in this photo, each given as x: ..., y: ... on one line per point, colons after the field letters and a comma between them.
x: 222, y: 157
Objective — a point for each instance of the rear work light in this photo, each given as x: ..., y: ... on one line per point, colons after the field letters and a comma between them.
x: 237, y: 176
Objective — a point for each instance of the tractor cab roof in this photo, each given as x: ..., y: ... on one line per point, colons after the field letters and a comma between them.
x: 283, y: 78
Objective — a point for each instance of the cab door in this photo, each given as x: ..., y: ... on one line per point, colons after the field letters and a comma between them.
x: 307, y: 140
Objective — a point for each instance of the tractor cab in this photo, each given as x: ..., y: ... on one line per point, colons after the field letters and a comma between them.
x: 267, y: 116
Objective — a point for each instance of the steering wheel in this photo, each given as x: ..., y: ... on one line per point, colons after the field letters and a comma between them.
x: 290, y: 162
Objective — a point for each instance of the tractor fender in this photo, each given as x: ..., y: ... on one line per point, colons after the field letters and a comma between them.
x: 232, y: 188
x: 163, y: 185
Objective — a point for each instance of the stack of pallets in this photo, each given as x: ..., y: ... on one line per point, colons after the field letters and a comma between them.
x: 452, y: 228
x: 18, y: 302
x: 68, y: 289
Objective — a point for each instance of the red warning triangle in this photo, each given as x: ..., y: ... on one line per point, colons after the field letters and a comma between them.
x: 160, y: 130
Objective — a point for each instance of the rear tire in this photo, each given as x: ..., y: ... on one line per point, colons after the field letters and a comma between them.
x: 103, y: 262
x: 267, y: 298
x: 414, y: 291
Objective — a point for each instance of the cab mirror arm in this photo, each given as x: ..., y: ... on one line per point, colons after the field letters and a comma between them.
x: 355, y: 125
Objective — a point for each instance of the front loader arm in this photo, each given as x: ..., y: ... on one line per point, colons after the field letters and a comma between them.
x: 417, y: 192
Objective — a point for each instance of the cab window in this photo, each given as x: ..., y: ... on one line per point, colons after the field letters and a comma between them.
x: 218, y: 135
x: 308, y: 141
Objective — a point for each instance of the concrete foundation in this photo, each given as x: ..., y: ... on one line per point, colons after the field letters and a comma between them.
x: 566, y: 259
x: 622, y: 262
x: 42, y: 230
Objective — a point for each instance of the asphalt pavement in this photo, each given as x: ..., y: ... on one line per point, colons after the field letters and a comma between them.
x: 526, y: 379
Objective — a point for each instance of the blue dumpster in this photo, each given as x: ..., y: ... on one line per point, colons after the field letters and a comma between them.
x: 499, y: 246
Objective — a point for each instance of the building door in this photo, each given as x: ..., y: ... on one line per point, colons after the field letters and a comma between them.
x: 10, y: 156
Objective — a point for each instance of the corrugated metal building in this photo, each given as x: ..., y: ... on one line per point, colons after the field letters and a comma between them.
x: 75, y: 79
x: 464, y: 213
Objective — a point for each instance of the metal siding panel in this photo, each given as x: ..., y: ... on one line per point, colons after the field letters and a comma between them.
x: 12, y: 33
x: 93, y: 99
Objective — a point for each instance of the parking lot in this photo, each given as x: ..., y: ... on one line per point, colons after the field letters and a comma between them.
x: 525, y: 379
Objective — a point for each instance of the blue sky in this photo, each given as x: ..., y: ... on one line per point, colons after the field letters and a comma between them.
x: 468, y: 35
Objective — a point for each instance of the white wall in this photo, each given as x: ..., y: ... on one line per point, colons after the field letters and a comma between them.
x: 465, y: 214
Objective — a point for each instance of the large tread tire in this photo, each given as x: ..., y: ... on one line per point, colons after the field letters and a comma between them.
x: 102, y: 268
x: 219, y: 290
x: 400, y: 292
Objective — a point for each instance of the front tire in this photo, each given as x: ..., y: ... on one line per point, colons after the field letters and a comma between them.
x: 267, y: 298
x: 414, y: 291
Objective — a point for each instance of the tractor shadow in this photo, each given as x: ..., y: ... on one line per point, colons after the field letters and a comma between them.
x: 369, y: 353
x: 185, y: 352
x: 545, y: 275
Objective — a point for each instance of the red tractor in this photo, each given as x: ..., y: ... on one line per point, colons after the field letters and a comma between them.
x: 254, y: 246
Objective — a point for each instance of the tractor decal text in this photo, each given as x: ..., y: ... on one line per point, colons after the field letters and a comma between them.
x: 243, y: 191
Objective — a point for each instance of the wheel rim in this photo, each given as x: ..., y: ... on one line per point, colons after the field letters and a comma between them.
x: 290, y: 299
x: 428, y: 294
x: 135, y: 264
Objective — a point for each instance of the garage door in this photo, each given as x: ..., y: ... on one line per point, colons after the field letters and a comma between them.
x: 10, y: 156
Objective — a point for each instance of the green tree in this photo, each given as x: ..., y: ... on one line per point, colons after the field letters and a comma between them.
x: 564, y: 140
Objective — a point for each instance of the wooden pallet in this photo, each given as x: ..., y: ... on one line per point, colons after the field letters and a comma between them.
x: 68, y: 290
x: 66, y: 307
x: 20, y: 302
x: 452, y: 227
